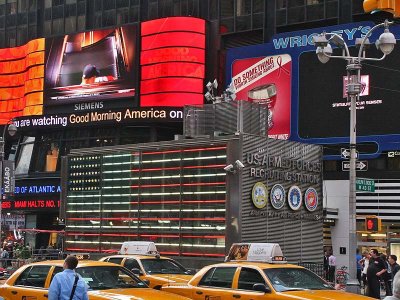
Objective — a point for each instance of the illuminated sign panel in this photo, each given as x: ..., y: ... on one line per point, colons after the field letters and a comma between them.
x: 21, y: 80
x: 173, y: 197
x: 172, y: 62
x: 91, y: 66
x: 318, y: 113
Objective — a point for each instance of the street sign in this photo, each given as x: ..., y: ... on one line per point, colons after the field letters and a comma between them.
x: 345, y: 153
x: 365, y: 185
x: 361, y: 165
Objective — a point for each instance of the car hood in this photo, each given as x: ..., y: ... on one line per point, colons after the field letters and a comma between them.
x: 322, y: 295
x: 133, y: 294
x: 169, y: 278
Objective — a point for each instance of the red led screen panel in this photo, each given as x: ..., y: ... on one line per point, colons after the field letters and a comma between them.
x: 174, y: 24
x: 21, y: 80
x: 173, y: 54
x: 91, y: 66
x: 169, y: 85
x: 172, y: 61
x: 171, y: 39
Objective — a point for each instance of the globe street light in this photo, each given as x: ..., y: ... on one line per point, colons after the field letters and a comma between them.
x: 12, y: 130
x: 385, y: 43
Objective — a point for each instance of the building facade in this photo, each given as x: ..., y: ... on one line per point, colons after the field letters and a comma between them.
x: 36, y: 29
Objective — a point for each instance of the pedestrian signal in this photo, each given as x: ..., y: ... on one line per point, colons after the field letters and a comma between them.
x: 373, y: 224
x: 389, y: 6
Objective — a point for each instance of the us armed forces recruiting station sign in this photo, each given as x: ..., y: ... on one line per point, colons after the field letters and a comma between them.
x: 292, y: 175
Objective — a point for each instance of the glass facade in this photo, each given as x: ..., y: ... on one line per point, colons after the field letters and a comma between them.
x: 23, y: 20
x: 175, y: 198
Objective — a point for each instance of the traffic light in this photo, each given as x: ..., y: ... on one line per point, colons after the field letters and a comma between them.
x: 390, y: 6
x: 372, y: 224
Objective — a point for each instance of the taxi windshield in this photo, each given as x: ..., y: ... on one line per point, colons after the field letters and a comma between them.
x: 109, y: 277
x: 295, y: 279
x: 162, y: 266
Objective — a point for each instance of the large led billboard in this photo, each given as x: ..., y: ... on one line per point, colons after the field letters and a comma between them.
x: 319, y: 109
x: 321, y: 92
x: 267, y: 81
x: 172, y: 61
x: 92, y: 78
x: 21, y: 80
x: 91, y: 66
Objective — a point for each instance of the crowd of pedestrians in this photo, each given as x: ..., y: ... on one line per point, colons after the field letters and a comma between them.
x: 377, y: 271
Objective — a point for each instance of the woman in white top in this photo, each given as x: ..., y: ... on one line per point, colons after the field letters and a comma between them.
x: 365, y: 263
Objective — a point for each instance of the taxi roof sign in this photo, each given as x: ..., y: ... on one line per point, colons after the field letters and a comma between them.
x: 138, y: 247
x: 262, y: 252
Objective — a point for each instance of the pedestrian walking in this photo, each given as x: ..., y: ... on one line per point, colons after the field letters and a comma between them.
x: 326, y: 265
x: 359, y: 266
x: 332, y: 267
x: 386, y: 276
x: 67, y: 284
x: 365, y: 262
x: 375, y: 270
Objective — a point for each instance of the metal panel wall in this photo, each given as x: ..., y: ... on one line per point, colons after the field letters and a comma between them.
x: 300, y: 233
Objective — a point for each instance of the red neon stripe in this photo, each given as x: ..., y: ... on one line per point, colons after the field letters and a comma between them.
x: 178, y: 168
x: 169, y: 253
x: 203, y: 237
x: 178, y: 184
x: 147, y: 219
x: 203, y: 254
x: 185, y: 150
x: 177, y: 202
x: 160, y: 235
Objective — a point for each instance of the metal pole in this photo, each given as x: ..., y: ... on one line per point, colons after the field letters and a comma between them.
x: 352, y: 190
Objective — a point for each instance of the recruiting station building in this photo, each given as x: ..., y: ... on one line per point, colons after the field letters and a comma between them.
x: 195, y: 197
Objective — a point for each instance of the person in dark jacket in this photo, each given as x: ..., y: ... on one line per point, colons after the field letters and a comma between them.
x: 375, y: 271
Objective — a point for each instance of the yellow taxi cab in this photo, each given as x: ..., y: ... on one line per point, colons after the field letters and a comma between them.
x: 257, y: 271
x: 104, y: 280
x: 144, y: 261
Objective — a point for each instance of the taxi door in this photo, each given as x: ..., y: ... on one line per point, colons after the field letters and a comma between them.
x: 29, y: 285
x: 244, y: 282
x: 216, y: 284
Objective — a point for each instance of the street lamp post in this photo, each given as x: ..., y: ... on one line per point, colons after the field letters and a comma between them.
x: 12, y: 130
x: 324, y: 51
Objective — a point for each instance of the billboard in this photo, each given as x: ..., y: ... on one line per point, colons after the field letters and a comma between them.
x: 92, y: 78
x: 267, y: 81
x: 172, y: 62
x: 21, y: 80
x: 319, y: 110
x: 91, y: 66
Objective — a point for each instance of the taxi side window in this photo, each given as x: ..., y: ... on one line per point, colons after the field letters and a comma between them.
x: 132, y: 264
x: 115, y: 260
x: 33, y: 276
x: 248, y: 277
x: 219, y: 277
x: 55, y: 271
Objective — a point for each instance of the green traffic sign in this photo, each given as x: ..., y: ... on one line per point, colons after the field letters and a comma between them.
x: 365, y: 185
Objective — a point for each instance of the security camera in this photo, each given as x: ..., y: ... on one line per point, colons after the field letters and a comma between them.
x: 229, y: 168
x: 239, y: 164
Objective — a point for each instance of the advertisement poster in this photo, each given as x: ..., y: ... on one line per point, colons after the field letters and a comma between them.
x: 91, y: 66
x: 267, y: 81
